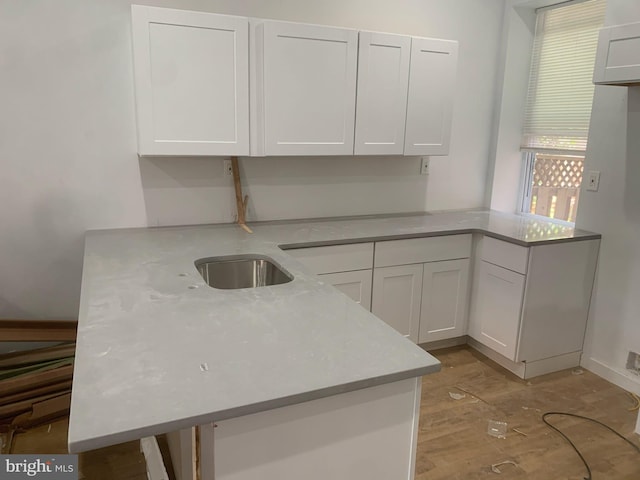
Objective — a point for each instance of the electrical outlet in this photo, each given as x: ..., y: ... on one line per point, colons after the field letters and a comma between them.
x: 424, y: 166
x: 593, y: 180
x: 228, y: 171
x: 633, y: 362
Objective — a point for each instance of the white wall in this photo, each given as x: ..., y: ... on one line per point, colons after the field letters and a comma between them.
x: 614, y: 211
x: 67, y: 138
x: 503, y: 181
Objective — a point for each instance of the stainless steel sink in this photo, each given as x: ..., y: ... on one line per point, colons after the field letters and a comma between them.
x: 241, y: 271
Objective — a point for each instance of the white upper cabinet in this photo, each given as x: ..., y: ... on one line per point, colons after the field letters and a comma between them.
x: 618, y: 55
x: 306, y: 89
x: 383, y: 79
x: 430, y: 101
x: 192, y: 82
x: 209, y: 84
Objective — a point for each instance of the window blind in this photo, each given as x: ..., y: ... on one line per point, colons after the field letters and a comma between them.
x: 560, y: 91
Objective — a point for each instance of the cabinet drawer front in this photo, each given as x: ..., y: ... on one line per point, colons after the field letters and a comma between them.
x: 422, y: 250
x: 335, y: 258
x: 504, y: 254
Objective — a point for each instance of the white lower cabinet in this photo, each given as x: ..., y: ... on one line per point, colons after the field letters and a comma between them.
x: 355, y: 285
x: 497, y: 308
x: 346, y: 267
x: 530, y: 305
x: 420, y: 286
x: 396, y: 296
x: 445, y: 291
x: 425, y: 302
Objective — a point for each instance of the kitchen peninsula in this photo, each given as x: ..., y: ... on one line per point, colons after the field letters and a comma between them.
x: 291, y: 374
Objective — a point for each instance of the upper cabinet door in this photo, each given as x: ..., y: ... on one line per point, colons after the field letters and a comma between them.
x: 430, y: 102
x: 192, y: 82
x: 309, y: 88
x: 618, y: 55
x: 383, y: 78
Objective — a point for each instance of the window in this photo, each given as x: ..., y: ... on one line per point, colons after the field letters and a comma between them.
x: 558, y: 107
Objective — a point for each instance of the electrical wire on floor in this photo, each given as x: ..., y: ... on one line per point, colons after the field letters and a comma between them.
x: 636, y: 402
x: 588, y: 477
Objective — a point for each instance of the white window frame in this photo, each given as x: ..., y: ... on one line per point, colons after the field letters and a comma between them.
x: 526, y: 186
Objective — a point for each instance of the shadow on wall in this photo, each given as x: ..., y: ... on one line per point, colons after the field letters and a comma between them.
x: 41, y: 270
x: 183, y: 191
x: 632, y: 178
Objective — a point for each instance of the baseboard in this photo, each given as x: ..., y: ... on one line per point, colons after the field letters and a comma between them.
x: 626, y: 381
x: 552, y: 364
x: 515, y: 368
x: 629, y: 382
x: 448, y: 343
x: 527, y: 370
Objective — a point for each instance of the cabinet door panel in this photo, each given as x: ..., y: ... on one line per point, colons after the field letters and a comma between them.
x: 430, y: 103
x: 396, y: 297
x: 383, y: 79
x: 192, y: 82
x: 618, y: 55
x: 309, y: 89
x: 443, y: 313
x: 355, y: 285
x: 498, y: 307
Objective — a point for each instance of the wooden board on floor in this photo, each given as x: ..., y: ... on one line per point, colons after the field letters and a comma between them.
x: 28, y: 357
x: 38, y: 330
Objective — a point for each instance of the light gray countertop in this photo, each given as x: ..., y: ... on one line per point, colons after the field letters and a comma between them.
x: 155, y: 354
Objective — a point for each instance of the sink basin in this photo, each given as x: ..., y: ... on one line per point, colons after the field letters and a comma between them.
x: 241, y: 271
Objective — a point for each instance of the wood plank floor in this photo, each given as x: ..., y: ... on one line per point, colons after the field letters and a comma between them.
x: 453, y: 443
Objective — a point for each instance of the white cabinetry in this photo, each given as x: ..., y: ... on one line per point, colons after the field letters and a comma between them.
x: 209, y: 84
x: 405, y: 94
x: 396, y: 298
x: 530, y: 305
x: 346, y: 267
x: 305, y: 88
x: 443, y: 313
x: 430, y: 101
x: 420, y: 286
x: 192, y: 82
x: 356, y: 285
x: 368, y: 433
x: 497, y: 310
x: 618, y: 55
x: 383, y: 79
